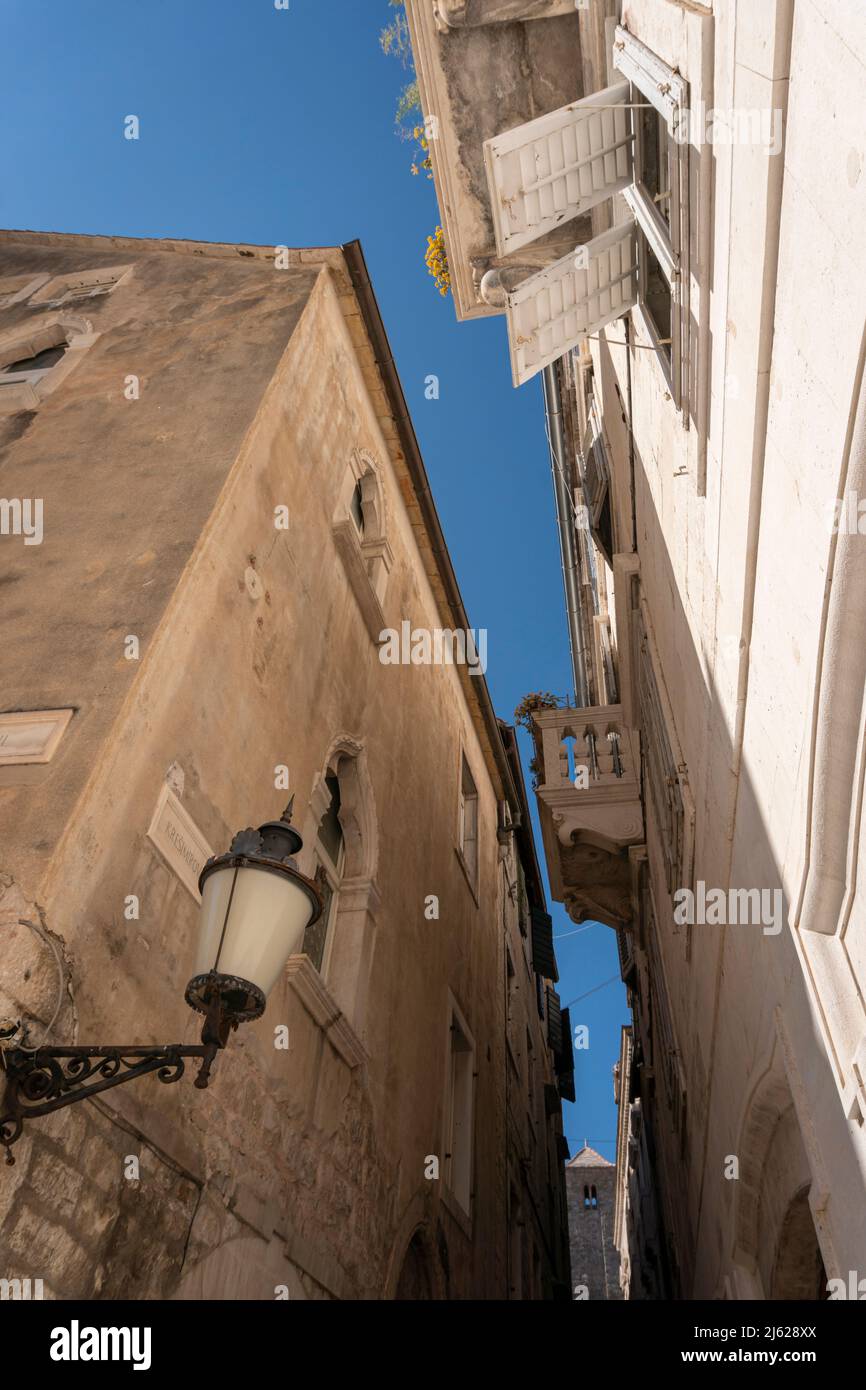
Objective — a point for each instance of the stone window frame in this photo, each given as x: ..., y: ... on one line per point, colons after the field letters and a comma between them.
x: 450, y: 1195
x: 30, y: 338
x: 337, y: 996
x: 60, y: 290
x: 332, y: 870
x: 471, y: 872
x: 14, y: 289
x: 366, y: 557
x: 654, y: 81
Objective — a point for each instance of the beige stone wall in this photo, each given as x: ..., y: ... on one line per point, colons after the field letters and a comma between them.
x: 734, y: 559
x: 157, y: 512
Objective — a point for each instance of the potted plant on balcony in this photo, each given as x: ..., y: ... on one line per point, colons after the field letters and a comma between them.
x: 536, y: 700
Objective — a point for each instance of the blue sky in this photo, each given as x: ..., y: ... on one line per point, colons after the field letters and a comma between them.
x: 277, y: 127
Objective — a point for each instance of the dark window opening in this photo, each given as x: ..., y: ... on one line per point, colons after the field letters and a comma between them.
x: 656, y: 164
x: 40, y: 362
x: 356, y: 507
x: 657, y: 299
x: 327, y: 875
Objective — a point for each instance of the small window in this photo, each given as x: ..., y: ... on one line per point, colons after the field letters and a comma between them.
x: 586, y: 1197
x: 593, y: 1197
x: 657, y: 297
x: 657, y: 202
x: 330, y: 854
x: 32, y: 369
x: 79, y: 286
x: 359, y: 530
x: 356, y: 507
x: 655, y: 140
x: 468, y: 830
x: 460, y: 1103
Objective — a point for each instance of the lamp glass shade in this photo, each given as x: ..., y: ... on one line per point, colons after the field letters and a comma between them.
x: 252, y: 920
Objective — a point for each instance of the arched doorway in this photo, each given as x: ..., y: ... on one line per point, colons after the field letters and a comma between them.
x: 777, y: 1254
x: 798, y: 1271
x: 414, y: 1281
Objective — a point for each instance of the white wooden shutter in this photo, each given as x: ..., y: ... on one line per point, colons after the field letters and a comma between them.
x: 550, y: 312
x: 552, y: 169
x: 660, y: 84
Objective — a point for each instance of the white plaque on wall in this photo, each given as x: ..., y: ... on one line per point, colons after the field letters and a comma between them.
x: 31, y: 736
x: 179, y: 841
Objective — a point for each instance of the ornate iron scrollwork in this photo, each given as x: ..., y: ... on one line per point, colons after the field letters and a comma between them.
x: 44, y: 1079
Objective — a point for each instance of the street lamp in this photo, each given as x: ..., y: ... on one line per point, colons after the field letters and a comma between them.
x: 256, y: 906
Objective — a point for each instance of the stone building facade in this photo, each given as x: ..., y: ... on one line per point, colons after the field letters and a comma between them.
x: 233, y: 510
x: 590, y: 1183
x: 702, y: 351
x: 638, y: 1236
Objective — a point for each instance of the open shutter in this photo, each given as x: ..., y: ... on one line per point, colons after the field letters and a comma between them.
x: 552, y: 169
x: 596, y: 473
x: 554, y: 1022
x: 664, y: 87
x: 543, y: 958
x: 565, y: 1060
x: 550, y: 312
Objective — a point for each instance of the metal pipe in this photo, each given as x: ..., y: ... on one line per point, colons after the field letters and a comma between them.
x: 567, y: 538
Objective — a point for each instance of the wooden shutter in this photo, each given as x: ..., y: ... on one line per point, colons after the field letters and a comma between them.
x: 554, y: 1021
x: 543, y: 958
x: 565, y: 1060
x: 550, y: 170
x: 549, y: 313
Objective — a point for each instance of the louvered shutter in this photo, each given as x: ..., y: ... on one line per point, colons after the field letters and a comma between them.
x: 565, y: 1060
x: 596, y: 473
x: 554, y: 1022
x: 552, y: 169
x: 543, y: 958
x: 549, y: 313
x: 664, y: 87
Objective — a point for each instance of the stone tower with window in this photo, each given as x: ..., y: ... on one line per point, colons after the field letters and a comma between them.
x: 590, y: 1190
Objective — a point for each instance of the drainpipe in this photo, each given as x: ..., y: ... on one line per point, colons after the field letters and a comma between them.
x: 567, y: 540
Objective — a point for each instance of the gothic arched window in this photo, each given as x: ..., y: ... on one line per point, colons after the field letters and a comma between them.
x: 330, y: 853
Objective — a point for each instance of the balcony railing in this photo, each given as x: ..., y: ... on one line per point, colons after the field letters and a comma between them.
x: 585, y: 748
x: 588, y: 763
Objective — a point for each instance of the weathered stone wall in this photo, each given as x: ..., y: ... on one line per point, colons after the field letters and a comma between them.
x: 307, y: 1162
x: 487, y: 70
x: 594, y: 1257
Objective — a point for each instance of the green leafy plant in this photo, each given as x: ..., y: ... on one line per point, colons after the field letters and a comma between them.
x: 536, y: 700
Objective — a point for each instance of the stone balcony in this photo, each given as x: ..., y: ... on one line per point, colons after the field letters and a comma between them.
x: 589, y: 805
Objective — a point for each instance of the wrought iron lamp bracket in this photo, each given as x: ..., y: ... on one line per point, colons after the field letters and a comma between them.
x: 44, y: 1079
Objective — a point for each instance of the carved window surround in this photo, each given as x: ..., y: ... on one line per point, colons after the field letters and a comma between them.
x: 27, y: 340
x: 349, y: 954
x: 324, y: 1010
x: 366, y: 556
